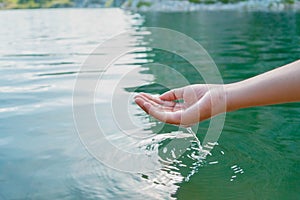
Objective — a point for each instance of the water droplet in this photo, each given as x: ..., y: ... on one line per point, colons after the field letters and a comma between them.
x: 173, y: 153
x: 213, y: 162
x: 165, y: 150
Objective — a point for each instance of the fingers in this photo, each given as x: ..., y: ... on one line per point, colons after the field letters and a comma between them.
x: 153, y: 99
x: 158, y: 100
x: 170, y: 105
x: 140, y: 102
x: 176, y: 115
x: 172, y: 95
x: 164, y: 116
x: 180, y: 117
x: 141, y: 99
x: 159, y: 109
x: 165, y: 111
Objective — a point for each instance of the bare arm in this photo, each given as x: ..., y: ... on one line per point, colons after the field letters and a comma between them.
x: 200, y: 102
x: 281, y: 85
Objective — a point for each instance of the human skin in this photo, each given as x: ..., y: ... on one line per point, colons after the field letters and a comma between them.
x: 202, y: 101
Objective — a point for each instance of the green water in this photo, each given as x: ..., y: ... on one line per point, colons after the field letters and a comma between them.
x: 42, y: 156
x: 263, y: 141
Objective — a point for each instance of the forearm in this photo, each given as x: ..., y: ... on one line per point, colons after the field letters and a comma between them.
x: 280, y: 85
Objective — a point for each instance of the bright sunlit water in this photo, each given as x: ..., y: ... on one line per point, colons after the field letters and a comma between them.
x: 42, y: 157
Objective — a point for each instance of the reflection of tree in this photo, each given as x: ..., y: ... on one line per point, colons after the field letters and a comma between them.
x: 40, y: 2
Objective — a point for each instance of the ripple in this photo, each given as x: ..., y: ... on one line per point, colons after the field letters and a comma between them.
x: 179, y: 151
x: 16, y: 89
x: 29, y: 55
x: 70, y: 73
x: 58, y: 73
x: 258, y: 148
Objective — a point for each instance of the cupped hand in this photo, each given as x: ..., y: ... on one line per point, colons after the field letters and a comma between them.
x: 184, y: 106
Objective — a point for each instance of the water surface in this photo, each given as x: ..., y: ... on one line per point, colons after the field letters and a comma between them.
x: 41, y: 154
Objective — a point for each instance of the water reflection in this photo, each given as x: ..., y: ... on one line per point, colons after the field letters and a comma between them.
x: 120, y: 137
x: 42, y: 156
x: 243, y: 44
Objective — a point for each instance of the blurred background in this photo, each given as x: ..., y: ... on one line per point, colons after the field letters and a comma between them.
x: 42, y: 50
x: 144, y: 4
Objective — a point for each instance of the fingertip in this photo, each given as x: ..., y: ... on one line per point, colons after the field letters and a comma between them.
x: 143, y: 93
x: 172, y: 95
x: 163, y: 96
x: 136, y: 98
x: 146, y: 95
x: 138, y: 101
x: 138, y: 95
x: 167, y: 96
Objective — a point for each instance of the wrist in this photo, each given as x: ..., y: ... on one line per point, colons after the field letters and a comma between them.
x: 233, y: 101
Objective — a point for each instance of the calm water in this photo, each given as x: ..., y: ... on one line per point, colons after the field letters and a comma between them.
x: 42, y: 157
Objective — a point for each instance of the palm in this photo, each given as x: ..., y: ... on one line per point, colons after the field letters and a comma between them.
x: 180, y: 106
x: 192, y: 94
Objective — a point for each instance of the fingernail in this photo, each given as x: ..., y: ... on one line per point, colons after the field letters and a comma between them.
x: 138, y: 95
x: 137, y: 99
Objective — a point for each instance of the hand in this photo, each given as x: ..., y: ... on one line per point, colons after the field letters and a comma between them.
x: 184, y: 106
x: 200, y: 102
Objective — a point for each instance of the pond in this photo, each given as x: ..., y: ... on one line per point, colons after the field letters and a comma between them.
x: 43, y: 156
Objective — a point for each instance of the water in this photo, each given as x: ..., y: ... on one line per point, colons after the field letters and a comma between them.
x: 257, y: 155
